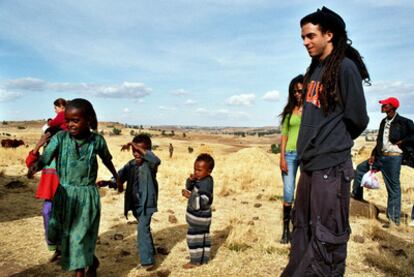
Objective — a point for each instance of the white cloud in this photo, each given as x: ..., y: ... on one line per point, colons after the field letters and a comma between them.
x: 241, y: 100
x: 222, y: 114
x: 271, y: 96
x: 6, y: 96
x: 190, y: 102
x: 201, y: 111
x: 179, y: 92
x: 27, y: 83
x: 126, y: 110
x: 164, y: 108
x: 130, y: 90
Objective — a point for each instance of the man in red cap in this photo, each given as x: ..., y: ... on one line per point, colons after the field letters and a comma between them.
x: 395, y: 145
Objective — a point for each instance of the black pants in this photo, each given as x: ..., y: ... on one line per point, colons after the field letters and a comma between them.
x: 321, y: 222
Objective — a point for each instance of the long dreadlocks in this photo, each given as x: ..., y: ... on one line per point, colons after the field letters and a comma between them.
x: 331, y: 21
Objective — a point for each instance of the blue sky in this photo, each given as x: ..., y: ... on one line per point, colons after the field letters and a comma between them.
x: 206, y: 63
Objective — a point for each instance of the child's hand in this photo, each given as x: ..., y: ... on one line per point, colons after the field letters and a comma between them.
x: 283, y: 165
x: 30, y: 173
x: 126, y: 146
x: 109, y: 184
x: 119, y: 185
x: 192, y: 177
x: 33, y: 169
x: 186, y: 193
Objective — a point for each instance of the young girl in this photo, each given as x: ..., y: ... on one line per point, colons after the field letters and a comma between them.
x: 75, y: 217
x: 59, y: 120
x: 291, y: 118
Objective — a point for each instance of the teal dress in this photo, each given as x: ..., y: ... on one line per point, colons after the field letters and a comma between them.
x: 76, y: 206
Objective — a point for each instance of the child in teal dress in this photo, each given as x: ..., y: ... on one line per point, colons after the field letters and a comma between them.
x: 75, y: 217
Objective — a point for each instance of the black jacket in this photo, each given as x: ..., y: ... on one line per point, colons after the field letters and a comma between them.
x: 326, y: 141
x: 401, y: 129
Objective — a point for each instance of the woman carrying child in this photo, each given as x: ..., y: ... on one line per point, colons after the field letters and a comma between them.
x: 59, y: 120
x: 291, y: 118
x: 75, y: 217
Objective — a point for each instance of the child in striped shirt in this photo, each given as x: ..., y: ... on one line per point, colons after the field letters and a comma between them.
x: 199, y: 192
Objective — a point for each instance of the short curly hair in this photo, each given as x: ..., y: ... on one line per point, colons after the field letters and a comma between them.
x: 207, y: 159
x: 143, y: 138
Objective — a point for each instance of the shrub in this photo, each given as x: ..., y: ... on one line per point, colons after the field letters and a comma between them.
x: 275, y: 148
x: 116, y: 131
x: 5, y: 122
x: 145, y: 133
x: 190, y: 149
x: 21, y: 127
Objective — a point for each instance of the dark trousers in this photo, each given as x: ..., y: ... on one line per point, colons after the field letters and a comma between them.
x: 144, y: 237
x: 320, y: 222
x: 390, y: 167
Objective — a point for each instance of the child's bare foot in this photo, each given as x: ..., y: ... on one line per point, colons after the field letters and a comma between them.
x: 190, y: 265
x: 55, y: 256
x: 147, y: 267
x: 91, y: 272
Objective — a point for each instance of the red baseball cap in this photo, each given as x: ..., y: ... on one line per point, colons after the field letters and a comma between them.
x: 392, y: 101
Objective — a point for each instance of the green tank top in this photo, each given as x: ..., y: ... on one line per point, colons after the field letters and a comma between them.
x: 290, y: 128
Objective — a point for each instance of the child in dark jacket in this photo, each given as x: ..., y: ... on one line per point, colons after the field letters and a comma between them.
x: 141, y: 193
x: 199, y: 191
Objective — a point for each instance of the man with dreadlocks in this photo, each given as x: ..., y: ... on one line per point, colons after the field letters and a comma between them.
x: 334, y: 114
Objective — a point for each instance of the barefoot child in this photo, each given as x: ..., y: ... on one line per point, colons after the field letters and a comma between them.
x: 199, y: 191
x: 141, y: 193
x: 75, y: 217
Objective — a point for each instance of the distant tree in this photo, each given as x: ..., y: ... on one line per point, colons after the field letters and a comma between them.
x: 145, y: 133
x: 172, y: 133
x: 163, y: 133
x: 184, y: 135
x: 5, y: 122
x: 132, y: 132
x: 116, y: 131
x: 275, y: 148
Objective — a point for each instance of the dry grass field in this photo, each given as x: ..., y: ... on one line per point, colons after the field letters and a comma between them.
x: 247, y: 218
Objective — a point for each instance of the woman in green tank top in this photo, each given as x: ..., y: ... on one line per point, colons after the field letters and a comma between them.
x: 291, y: 118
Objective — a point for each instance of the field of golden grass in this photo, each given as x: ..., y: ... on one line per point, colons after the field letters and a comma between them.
x: 247, y: 217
